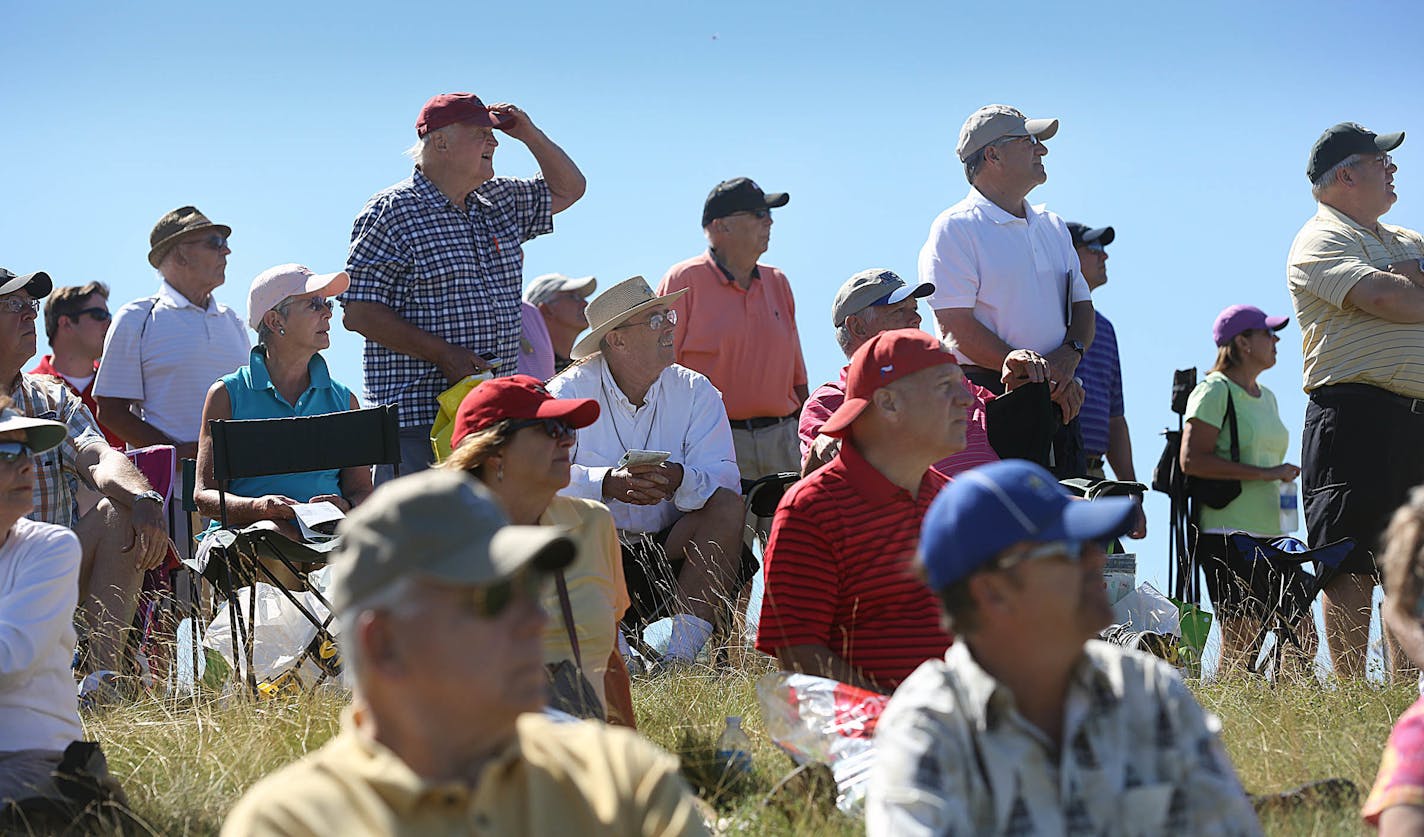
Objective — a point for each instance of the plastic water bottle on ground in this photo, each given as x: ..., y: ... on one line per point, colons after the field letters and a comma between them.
x: 734, y: 751
x: 1290, y: 507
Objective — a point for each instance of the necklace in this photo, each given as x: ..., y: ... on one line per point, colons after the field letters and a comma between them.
x: 613, y: 414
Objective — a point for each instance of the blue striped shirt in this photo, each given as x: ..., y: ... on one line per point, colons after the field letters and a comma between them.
x: 1102, y: 380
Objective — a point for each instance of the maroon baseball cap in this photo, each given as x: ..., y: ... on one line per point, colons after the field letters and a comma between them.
x: 517, y: 397
x: 1239, y: 318
x: 884, y: 359
x: 449, y: 108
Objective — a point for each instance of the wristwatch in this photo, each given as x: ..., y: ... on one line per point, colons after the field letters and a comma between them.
x: 149, y: 495
x: 1075, y: 345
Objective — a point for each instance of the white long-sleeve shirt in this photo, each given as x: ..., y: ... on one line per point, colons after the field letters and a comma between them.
x: 682, y: 414
x: 39, y: 589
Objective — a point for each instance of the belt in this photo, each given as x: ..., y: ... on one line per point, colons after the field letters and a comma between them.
x: 759, y: 422
x: 1413, y: 405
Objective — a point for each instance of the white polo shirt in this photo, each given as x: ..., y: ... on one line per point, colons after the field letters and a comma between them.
x: 1014, y: 272
x: 163, y: 352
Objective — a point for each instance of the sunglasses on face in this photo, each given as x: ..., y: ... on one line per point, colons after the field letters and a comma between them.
x: 1095, y: 247
x: 99, y: 314
x: 19, y: 305
x: 488, y: 601
x: 553, y: 428
x: 12, y: 452
x: 212, y: 242
x: 318, y: 304
x: 759, y: 214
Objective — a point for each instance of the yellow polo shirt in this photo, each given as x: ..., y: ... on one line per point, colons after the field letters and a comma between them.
x: 1342, y: 343
x: 558, y: 779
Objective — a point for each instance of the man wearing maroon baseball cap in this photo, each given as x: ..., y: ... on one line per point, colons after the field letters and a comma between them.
x: 437, y: 261
x: 841, y: 599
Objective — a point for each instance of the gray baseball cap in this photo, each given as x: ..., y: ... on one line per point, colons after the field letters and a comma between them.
x: 993, y: 122
x: 552, y: 283
x: 876, y: 286
x: 440, y: 526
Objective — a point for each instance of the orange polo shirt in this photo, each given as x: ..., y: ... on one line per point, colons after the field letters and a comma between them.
x: 745, y: 341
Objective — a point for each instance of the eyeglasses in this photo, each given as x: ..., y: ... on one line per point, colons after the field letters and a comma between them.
x: 1384, y: 160
x: 318, y: 304
x: 19, y: 305
x: 1072, y: 550
x: 212, y: 242
x: 12, y: 452
x: 488, y: 601
x: 655, y: 322
x: 554, y: 428
x: 99, y: 314
x: 759, y: 214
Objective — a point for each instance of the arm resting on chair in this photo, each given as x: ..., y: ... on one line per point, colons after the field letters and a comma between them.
x: 241, y: 511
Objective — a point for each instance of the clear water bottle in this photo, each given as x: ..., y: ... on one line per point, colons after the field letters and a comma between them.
x: 734, y: 751
x: 1290, y: 507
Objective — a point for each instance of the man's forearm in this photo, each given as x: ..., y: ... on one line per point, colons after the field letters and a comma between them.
x: 972, y: 338
x: 114, y: 413
x: 118, y: 478
x: 1120, y: 450
x: 381, y: 324
x: 1084, y: 326
x: 566, y: 183
x: 821, y: 661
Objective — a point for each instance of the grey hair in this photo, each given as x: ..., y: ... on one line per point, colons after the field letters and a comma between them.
x: 264, y: 333
x: 1324, y: 181
x: 976, y: 160
x: 399, y: 599
x: 417, y: 151
x: 845, y: 339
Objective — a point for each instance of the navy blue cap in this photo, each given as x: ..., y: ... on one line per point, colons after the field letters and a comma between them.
x: 990, y: 508
x: 1083, y: 234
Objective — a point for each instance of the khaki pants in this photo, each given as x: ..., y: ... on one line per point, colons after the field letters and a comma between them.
x: 767, y: 450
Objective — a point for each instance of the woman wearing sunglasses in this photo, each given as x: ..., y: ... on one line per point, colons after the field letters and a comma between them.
x: 1234, y: 432
x: 514, y: 437
x: 286, y: 376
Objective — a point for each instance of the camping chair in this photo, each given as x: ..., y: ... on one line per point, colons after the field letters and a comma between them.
x: 1280, y: 582
x: 264, y: 447
x: 762, y: 497
x: 157, y: 614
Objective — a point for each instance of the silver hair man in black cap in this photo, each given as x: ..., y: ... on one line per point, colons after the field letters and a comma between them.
x: 1358, y: 293
x: 436, y: 602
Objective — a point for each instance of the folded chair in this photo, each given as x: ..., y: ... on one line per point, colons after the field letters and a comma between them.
x: 1281, y: 584
x: 266, y: 447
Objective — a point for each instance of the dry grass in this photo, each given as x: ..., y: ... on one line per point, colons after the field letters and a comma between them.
x: 184, y: 764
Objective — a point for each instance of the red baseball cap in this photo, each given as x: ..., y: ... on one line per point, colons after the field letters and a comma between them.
x: 517, y: 397
x: 449, y: 108
x: 884, y: 359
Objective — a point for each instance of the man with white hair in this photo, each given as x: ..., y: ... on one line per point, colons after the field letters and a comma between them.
x: 437, y: 603
x: 562, y: 301
x: 1358, y: 291
x: 164, y: 351
x: 1005, y: 274
x: 437, y: 260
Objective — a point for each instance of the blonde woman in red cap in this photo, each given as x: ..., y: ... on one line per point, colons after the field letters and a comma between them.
x: 286, y: 376
x: 515, y: 438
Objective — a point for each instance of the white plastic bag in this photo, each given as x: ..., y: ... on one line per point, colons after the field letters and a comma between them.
x: 1146, y: 609
x: 280, y: 633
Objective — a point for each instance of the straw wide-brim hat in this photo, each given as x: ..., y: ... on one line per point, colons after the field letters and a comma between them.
x: 176, y: 224
x: 615, y: 306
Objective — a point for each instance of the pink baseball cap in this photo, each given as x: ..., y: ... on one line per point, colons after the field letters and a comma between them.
x: 277, y: 283
x: 1239, y: 318
x: 884, y: 359
x: 450, y: 108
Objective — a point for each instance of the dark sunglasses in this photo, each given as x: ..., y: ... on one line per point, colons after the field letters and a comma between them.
x: 759, y: 214
x: 488, y: 601
x: 212, y: 242
x: 99, y: 314
x: 554, y: 428
x: 11, y: 452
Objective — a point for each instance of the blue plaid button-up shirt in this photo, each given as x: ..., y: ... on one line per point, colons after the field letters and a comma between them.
x: 455, y: 274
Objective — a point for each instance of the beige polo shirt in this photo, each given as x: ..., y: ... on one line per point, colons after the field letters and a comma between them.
x: 581, y: 778
x: 1340, y: 342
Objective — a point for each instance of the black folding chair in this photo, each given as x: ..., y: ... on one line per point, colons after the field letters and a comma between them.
x: 762, y: 498
x: 266, y: 447
x: 1280, y: 583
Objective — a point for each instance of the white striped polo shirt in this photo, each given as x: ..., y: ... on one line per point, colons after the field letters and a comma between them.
x: 1342, y: 343
x: 163, y: 352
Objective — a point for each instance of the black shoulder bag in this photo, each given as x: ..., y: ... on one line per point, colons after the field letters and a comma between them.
x: 1219, y: 493
x: 569, y: 689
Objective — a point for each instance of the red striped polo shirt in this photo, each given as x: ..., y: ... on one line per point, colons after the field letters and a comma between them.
x: 839, y: 571
x: 829, y: 396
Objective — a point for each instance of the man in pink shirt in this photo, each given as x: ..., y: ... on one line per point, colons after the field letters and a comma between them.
x: 737, y: 326
x: 76, y: 320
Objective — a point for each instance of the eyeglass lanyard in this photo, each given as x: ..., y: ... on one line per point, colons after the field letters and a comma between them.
x: 613, y: 414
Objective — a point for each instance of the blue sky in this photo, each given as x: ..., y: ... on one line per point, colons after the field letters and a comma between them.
x: 1185, y: 127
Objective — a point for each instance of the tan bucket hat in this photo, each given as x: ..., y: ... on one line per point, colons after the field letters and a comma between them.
x: 615, y: 306
x: 174, y: 225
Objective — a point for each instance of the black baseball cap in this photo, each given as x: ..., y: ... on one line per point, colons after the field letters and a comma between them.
x: 1342, y: 140
x: 740, y: 194
x: 1083, y: 234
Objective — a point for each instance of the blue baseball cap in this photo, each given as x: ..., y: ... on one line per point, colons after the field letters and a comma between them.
x: 990, y: 508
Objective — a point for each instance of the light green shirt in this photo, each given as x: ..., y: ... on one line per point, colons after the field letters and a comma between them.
x: 1264, y: 439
